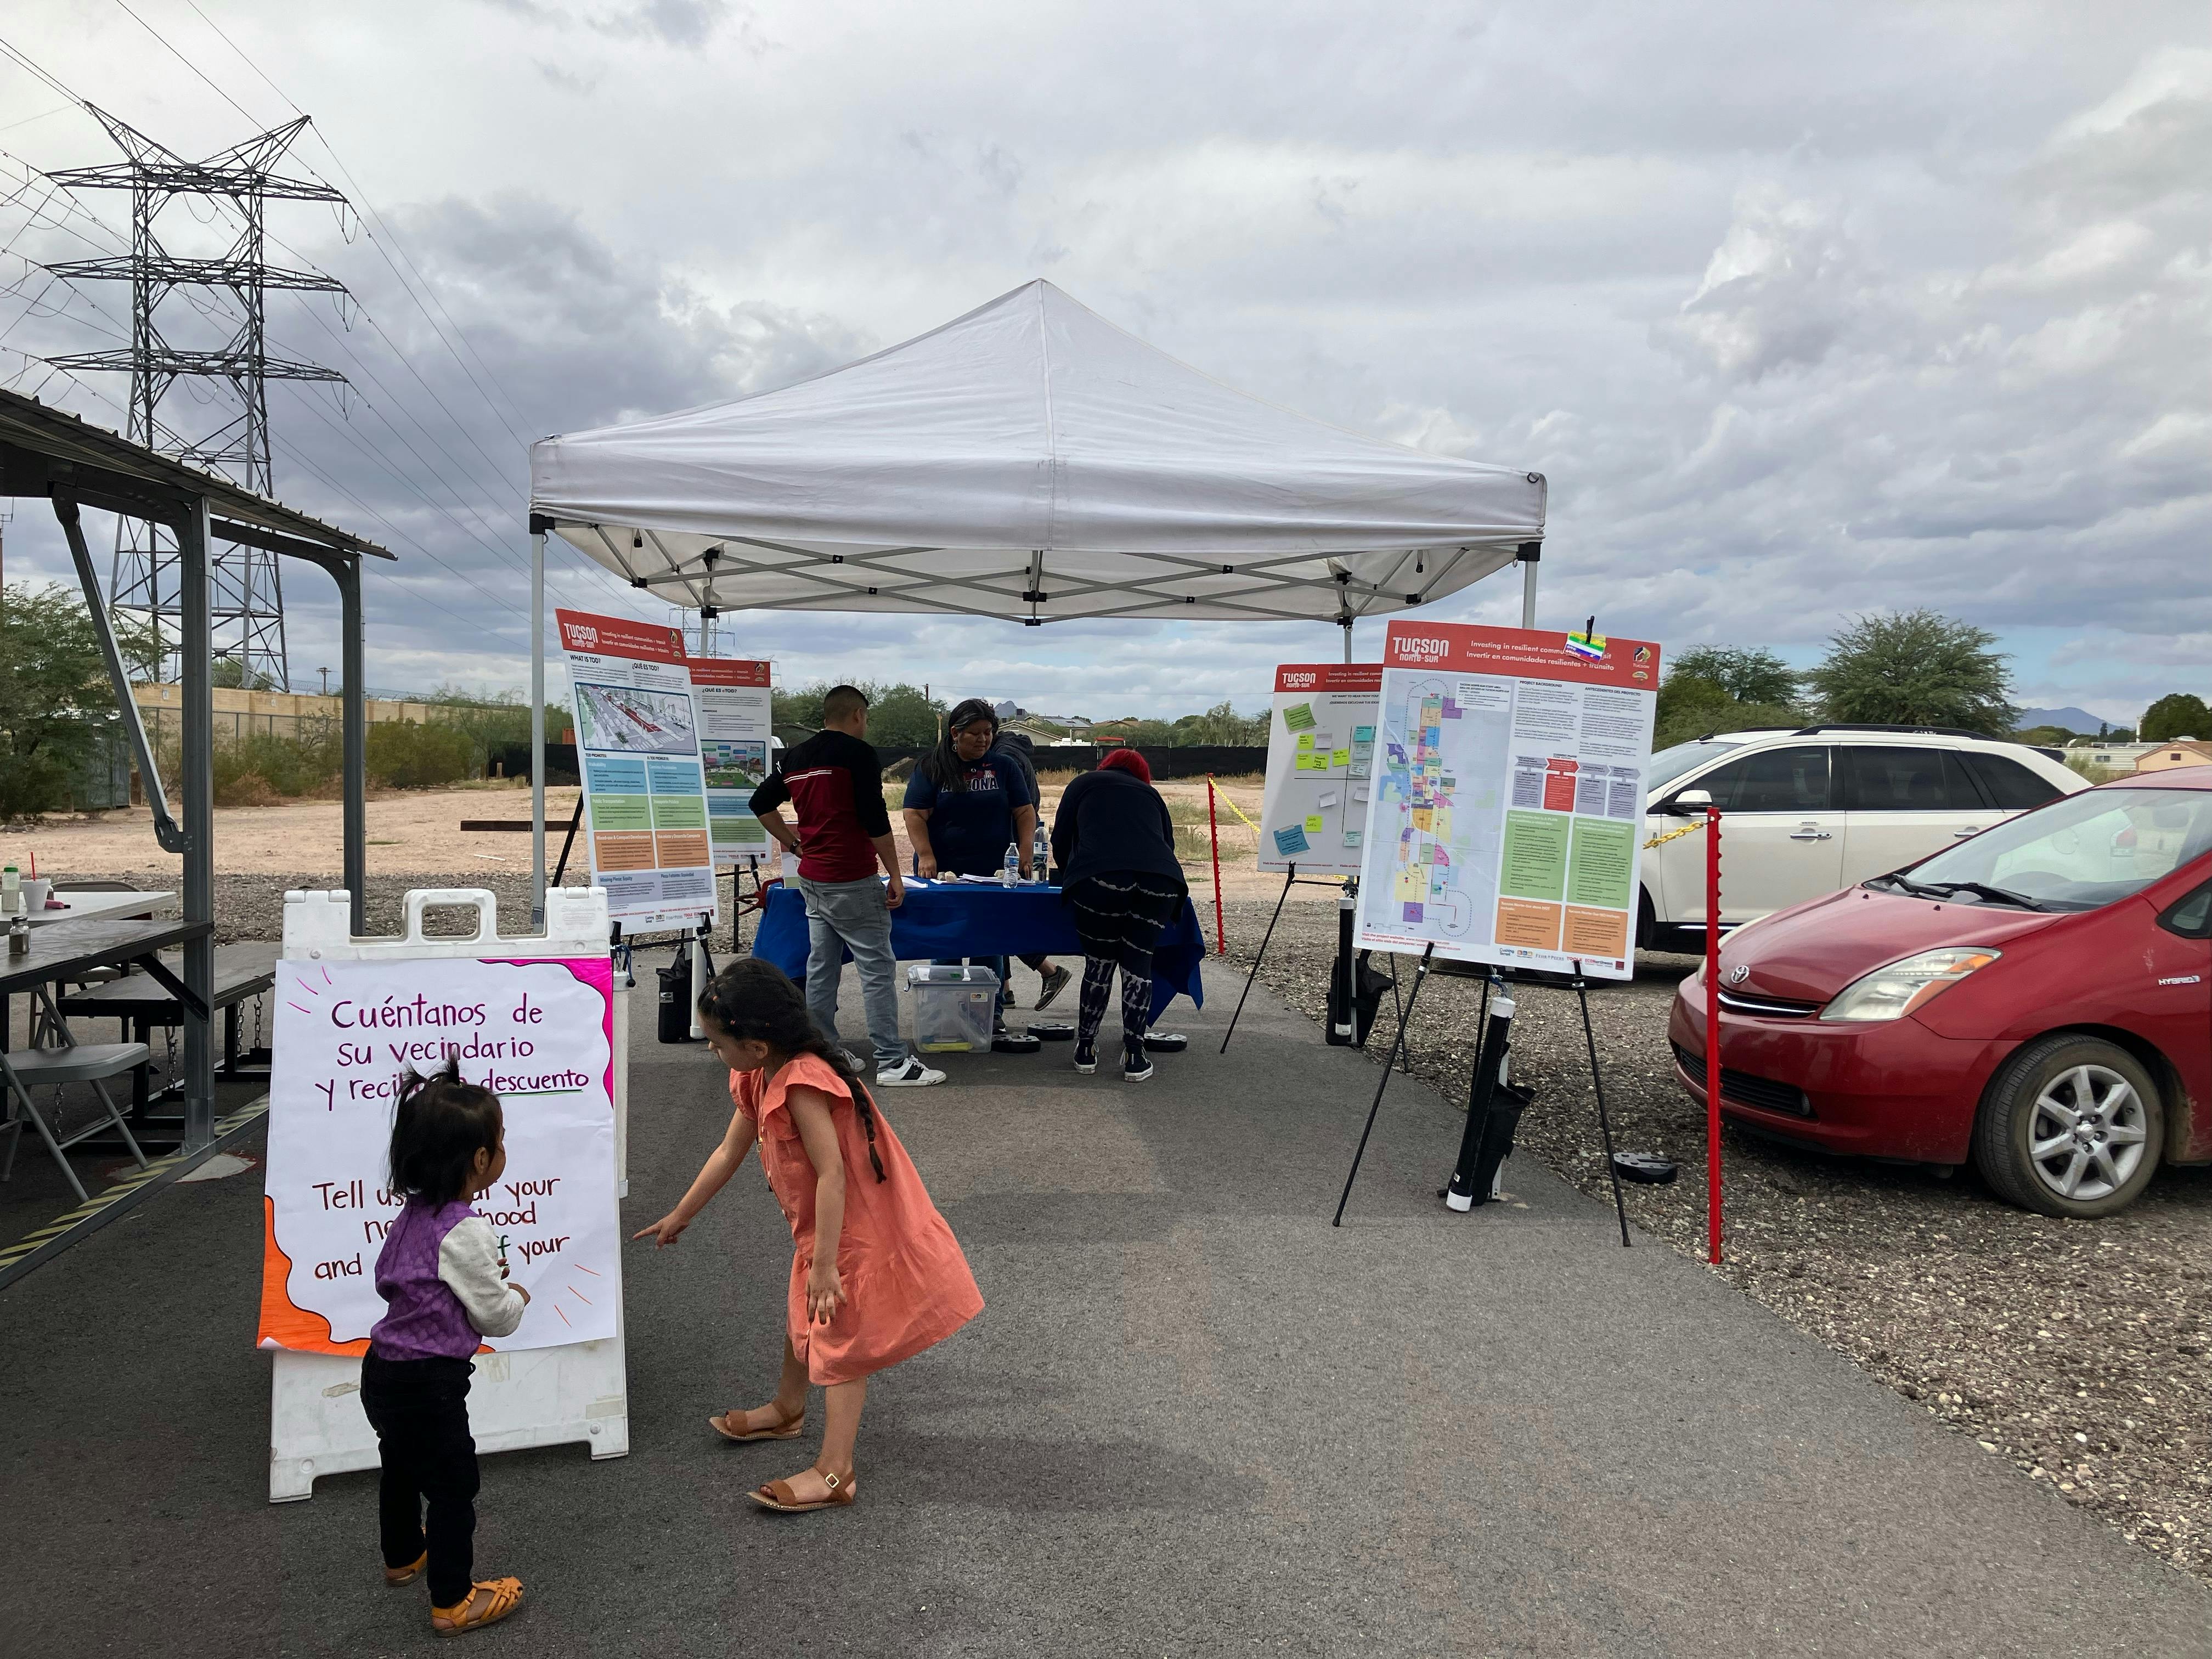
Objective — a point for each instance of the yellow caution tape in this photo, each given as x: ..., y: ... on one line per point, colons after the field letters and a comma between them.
x: 1222, y: 795
x: 1674, y: 834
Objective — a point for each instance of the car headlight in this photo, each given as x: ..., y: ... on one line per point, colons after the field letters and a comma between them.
x: 1894, y: 992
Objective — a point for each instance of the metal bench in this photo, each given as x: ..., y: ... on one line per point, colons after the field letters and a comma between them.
x: 140, y: 1003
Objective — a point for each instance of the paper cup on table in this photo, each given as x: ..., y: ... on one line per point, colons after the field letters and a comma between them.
x: 35, y: 894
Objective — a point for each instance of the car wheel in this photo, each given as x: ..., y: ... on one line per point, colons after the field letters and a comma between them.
x: 1647, y: 919
x: 2071, y: 1126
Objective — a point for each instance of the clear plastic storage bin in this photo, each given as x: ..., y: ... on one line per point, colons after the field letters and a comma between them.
x: 953, y: 1007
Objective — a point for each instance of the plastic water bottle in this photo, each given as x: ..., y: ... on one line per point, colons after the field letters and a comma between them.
x: 1011, y: 873
x: 1040, y: 856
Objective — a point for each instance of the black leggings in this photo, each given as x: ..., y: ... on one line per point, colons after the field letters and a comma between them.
x: 1120, y: 917
x: 420, y: 1411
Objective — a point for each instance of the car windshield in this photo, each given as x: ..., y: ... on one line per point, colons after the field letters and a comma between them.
x: 1670, y: 764
x: 2077, y: 853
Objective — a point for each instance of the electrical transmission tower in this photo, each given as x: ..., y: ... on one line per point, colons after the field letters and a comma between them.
x: 248, y: 601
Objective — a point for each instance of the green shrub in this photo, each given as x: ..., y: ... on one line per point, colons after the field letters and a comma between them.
x: 404, y: 756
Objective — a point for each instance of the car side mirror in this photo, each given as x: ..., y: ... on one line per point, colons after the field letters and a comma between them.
x: 1689, y: 803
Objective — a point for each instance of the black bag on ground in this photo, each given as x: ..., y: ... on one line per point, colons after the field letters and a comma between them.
x: 1366, y: 1000
x: 676, y: 996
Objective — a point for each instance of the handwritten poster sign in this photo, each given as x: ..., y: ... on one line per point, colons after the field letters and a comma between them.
x: 539, y: 1035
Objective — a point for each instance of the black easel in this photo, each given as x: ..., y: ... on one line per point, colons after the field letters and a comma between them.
x: 1420, y: 974
x: 1597, y: 1086
x: 1289, y: 882
x: 568, y: 841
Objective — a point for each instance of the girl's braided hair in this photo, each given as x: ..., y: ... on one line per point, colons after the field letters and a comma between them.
x: 756, y: 1001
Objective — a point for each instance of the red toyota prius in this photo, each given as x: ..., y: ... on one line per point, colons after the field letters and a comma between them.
x: 2039, y: 997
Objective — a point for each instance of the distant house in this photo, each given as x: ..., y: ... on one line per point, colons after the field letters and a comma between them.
x: 2113, y: 756
x: 2182, y: 751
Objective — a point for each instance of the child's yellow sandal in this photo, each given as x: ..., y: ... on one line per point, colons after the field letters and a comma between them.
x: 469, y: 1613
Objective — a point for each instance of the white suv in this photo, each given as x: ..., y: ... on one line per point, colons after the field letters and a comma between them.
x: 1807, y: 810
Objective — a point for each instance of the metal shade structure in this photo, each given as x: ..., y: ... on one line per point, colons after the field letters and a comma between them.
x: 1033, y: 462
x: 47, y: 452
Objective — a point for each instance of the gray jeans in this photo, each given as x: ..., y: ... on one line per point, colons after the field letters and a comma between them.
x: 842, y: 915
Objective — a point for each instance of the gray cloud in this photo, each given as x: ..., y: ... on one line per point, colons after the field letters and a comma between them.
x: 1804, y: 311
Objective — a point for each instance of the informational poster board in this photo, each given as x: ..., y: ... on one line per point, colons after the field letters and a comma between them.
x: 732, y: 700
x: 645, y: 792
x: 1508, y: 801
x: 1320, y: 758
x: 538, y: 1033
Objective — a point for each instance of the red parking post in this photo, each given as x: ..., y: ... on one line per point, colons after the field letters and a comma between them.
x: 1213, y: 829
x: 1713, y: 1035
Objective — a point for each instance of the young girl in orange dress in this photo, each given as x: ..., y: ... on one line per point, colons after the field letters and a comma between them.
x: 877, y: 1276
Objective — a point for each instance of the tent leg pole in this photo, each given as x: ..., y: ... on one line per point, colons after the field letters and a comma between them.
x: 354, y: 740
x: 1347, y: 639
x: 195, y: 807
x: 1530, y: 553
x: 538, y: 732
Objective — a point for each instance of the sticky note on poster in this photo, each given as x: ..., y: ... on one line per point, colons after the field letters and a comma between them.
x: 1313, y: 824
x: 1363, y: 734
x: 1339, y: 758
x: 1292, y: 838
x: 1352, y: 837
x: 1327, y: 801
x: 1305, y: 740
x: 1299, y: 717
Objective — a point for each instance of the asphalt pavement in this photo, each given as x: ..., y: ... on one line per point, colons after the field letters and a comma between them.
x: 1193, y: 1418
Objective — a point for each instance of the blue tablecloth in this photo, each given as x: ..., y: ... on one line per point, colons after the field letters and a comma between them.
x: 962, y: 920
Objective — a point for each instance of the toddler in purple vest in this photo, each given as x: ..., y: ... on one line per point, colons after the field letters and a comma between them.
x: 445, y: 1288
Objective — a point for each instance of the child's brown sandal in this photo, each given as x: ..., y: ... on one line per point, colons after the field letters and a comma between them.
x: 467, y: 1615
x: 396, y: 1576
x: 789, y: 1429
x: 780, y: 1495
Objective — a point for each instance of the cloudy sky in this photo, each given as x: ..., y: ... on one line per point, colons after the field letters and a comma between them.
x: 1804, y: 310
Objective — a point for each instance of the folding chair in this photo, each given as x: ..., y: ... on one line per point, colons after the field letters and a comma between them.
x: 25, y: 1069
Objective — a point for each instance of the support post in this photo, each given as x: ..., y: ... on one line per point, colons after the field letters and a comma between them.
x: 1420, y: 974
x: 1528, y: 555
x: 1213, y: 831
x: 166, y: 831
x: 537, y: 725
x: 196, y: 802
x: 1342, y: 1005
x: 1347, y: 638
x: 1713, y: 1035
x: 1463, y: 1192
x: 353, y: 689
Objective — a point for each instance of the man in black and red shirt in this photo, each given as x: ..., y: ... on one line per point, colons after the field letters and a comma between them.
x: 833, y: 784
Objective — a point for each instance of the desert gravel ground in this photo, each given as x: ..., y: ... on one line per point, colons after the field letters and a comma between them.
x: 2081, y: 1351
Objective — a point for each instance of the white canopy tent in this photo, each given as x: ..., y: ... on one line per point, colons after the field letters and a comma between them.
x: 1028, y: 461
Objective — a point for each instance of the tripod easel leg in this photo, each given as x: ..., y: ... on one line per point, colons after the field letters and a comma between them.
x: 1420, y: 973
x: 1289, y: 881
x: 1604, y: 1125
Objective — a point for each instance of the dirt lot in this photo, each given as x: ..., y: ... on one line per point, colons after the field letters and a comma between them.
x: 2081, y: 1351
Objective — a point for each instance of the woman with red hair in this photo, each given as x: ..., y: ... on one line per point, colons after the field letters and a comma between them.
x: 1115, y: 845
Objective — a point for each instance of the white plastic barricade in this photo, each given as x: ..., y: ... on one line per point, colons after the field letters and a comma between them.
x: 525, y: 1005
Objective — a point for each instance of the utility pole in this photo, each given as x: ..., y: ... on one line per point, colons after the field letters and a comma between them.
x: 247, y: 602
x: 325, y: 673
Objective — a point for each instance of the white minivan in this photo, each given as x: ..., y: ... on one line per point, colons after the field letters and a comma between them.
x: 1807, y: 810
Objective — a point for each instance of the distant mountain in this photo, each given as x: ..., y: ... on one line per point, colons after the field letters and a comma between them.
x: 2073, y: 719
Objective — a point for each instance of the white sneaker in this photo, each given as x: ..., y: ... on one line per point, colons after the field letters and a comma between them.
x: 908, y: 1074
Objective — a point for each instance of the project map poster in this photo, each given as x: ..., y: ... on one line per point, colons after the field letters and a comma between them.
x: 1506, y: 821
x: 645, y: 793
x: 1320, y: 756
x: 735, y: 718
x: 540, y: 1033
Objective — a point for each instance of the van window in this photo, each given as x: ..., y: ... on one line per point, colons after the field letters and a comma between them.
x: 1880, y: 779
x: 1773, y: 780
x: 2010, y: 787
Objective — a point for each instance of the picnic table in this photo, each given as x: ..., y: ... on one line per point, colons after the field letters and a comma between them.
x: 140, y: 1002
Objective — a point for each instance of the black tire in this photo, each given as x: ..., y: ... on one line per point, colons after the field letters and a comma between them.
x: 2035, y: 1084
x: 1647, y: 919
